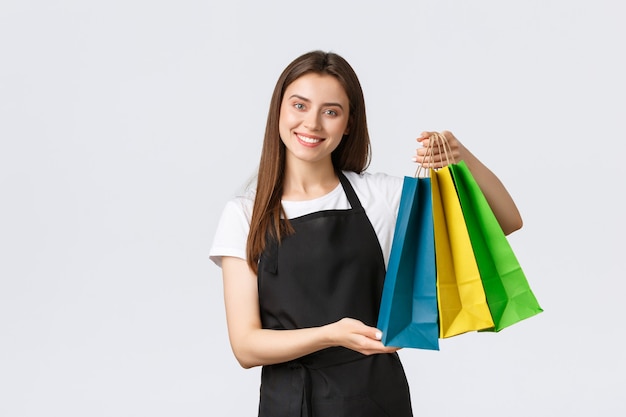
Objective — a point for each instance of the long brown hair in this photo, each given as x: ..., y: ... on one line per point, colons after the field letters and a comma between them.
x: 352, y: 154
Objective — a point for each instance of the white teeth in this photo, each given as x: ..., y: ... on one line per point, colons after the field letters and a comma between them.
x: 308, y: 140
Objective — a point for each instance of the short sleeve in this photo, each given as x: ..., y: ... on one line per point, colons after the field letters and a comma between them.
x: 231, y: 235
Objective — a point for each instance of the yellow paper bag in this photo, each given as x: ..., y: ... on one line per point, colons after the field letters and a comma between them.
x: 460, y: 294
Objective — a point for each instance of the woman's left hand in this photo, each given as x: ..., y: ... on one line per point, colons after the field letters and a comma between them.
x: 439, y: 156
x: 432, y: 155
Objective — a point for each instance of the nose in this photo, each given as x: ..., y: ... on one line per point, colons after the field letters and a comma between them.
x: 312, y: 121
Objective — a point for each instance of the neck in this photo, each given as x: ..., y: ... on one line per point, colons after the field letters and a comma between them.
x: 308, y: 181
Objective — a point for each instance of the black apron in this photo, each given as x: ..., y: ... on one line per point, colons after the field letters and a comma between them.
x: 331, y: 267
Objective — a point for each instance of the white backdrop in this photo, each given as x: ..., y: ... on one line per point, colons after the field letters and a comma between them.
x: 126, y: 125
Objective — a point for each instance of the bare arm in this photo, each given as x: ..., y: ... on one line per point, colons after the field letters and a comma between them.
x: 255, y: 346
x: 499, y: 199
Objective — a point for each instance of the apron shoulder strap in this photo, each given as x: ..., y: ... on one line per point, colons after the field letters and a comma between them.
x: 355, y: 203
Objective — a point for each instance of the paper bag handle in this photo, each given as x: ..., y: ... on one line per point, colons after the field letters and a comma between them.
x: 439, y: 140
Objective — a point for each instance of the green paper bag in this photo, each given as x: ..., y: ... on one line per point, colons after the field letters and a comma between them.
x: 508, y: 293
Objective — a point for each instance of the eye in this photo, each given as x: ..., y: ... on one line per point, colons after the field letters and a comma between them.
x: 330, y: 112
x: 299, y: 106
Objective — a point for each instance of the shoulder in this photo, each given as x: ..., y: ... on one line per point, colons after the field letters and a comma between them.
x: 239, y: 207
x: 378, y: 192
x: 232, y: 229
x: 379, y: 182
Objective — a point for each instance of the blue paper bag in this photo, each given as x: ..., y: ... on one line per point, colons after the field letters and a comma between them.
x: 408, y: 312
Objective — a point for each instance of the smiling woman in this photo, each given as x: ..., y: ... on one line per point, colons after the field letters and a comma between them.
x: 312, y: 124
x: 304, y: 255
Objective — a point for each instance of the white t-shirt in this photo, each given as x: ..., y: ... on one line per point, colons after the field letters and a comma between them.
x: 379, y: 195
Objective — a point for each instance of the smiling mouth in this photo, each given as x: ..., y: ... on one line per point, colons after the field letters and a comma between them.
x: 308, y: 139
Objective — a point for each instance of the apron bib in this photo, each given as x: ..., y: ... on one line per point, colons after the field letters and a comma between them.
x: 331, y: 267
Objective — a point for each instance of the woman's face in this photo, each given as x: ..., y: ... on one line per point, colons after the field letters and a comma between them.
x: 314, y: 116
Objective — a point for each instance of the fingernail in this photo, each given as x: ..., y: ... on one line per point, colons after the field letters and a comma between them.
x: 379, y: 335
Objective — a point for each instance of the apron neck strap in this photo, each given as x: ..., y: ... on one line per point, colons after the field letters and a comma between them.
x: 355, y: 203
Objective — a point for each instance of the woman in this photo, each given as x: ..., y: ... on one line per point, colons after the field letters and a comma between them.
x: 303, y: 257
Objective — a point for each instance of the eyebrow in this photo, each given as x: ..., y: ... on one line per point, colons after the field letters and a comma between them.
x: 308, y: 101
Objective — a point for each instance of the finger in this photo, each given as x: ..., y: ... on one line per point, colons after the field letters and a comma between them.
x: 423, y: 136
x: 423, y: 151
x: 361, y: 329
x: 373, y: 333
x: 429, y: 156
x: 380, y: 349
x: 370, y: 332
x: 421, y: 157
x: 365, y: 344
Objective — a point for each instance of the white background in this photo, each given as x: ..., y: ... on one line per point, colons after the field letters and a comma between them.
x: 125, y: 126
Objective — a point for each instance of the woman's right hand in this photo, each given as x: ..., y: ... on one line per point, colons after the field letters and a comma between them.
x: 354, y: 334
x: 255, y: 346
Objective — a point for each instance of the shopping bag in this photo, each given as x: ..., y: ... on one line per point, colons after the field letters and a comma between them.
x: 508, y: 293
x: 461, y: 297
x: 408, y: 310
